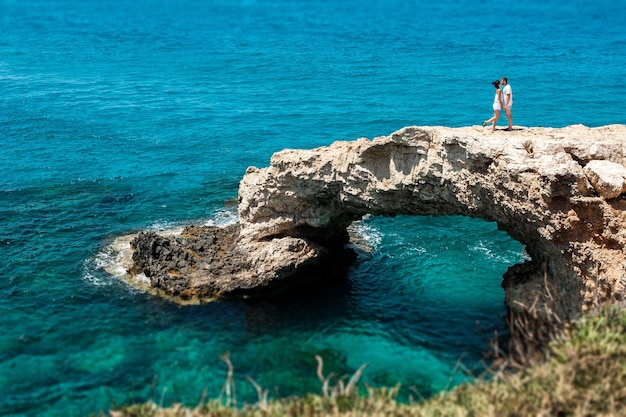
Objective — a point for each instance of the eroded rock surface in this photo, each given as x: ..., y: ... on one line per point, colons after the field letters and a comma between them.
x: 206, y: 262
x: 557, y: 191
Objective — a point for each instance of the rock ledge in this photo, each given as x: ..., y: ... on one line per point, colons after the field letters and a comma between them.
x: 557, y: 191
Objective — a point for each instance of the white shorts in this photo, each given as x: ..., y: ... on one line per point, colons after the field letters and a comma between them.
x: 496, y: 106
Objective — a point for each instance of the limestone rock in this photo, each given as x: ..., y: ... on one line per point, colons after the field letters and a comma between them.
x: 608, y: 178
x: 548, y: 188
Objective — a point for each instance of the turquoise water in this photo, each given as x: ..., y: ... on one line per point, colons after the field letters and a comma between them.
x: 121, y: 116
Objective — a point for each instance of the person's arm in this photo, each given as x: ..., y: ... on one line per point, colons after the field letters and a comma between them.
x: 507, y: 98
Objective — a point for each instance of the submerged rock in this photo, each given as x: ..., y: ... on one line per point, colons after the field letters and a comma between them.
x: 556, y: 191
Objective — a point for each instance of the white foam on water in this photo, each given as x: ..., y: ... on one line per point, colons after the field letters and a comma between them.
x: 88, y: 267
x: 223, y: 218
x: 166, y: 228
x: 363, y: 230
x: 417, y: 250
x: 507, y: 257
x: 114, y: 259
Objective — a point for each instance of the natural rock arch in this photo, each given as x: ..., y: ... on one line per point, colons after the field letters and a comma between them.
x: 557, y: 191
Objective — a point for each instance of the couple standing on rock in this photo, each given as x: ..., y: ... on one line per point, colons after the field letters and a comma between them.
x: 502, y: 99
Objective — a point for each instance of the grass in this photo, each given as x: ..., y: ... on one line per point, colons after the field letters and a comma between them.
x: 581, y: 373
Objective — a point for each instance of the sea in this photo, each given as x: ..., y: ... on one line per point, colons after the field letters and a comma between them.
x: 118, y: 116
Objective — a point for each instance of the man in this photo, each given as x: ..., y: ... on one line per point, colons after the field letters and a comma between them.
x: 507, y: 101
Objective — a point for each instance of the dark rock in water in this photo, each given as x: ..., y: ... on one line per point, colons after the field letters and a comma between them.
x: 204, y: 263
x: 170, y: 262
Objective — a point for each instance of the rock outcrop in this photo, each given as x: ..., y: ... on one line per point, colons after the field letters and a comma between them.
x: 557, y: 191
x: 203, y: 263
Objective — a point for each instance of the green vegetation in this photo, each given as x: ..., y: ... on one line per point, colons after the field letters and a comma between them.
x: 583, y: 373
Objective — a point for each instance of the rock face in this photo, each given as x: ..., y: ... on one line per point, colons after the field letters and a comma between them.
x: 206, y: 262
x: 557, y: 191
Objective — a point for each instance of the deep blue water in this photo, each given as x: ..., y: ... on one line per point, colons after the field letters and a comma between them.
x: 119, y: 116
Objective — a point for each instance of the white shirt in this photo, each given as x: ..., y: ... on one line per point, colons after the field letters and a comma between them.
x: 507, y: 91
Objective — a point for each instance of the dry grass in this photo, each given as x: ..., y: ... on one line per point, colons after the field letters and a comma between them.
x: 583, y: 373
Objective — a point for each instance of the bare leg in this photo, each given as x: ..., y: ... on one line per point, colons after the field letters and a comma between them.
x: 509, y: 117
x: 494, y: 119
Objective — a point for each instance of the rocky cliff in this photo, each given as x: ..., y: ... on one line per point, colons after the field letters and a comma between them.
x: 557, y: 191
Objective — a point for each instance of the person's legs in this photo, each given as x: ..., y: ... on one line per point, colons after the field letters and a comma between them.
x: 494, y: 119
x: 509, y: 117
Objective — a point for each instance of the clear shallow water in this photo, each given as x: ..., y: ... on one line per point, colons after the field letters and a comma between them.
x: 117, y: 116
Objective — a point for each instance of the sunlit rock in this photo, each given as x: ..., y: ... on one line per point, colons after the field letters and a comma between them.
x: 557, y: 191
x: 608, y: 178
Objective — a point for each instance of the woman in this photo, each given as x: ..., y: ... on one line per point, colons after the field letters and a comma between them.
x: 497, y: 106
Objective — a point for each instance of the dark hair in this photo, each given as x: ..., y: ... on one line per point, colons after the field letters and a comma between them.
x: 496, y: 83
